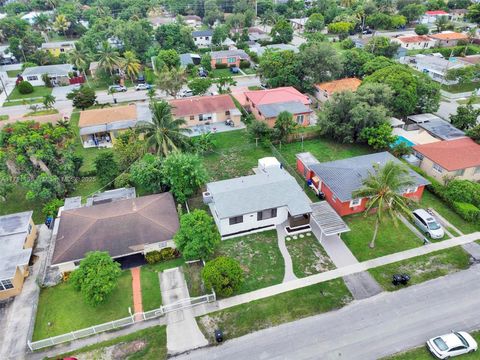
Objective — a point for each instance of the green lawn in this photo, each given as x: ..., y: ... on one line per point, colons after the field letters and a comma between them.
x: 249, y: 71
x: 193, y: 278
x: 421, y: 353
x: 22, y: 102
x: 259, y: 257
x: 16, y: 202
x: 153, y: 342
x: 149, y: 275
x: 65, y: 309
x: 423, y: 268
x: 430, y: 200
x: 216, y: 73
x: 308, y: 256
x: 103, y: 84
x: 390, y: 239
x: 4, y: 117
x: 475, y: 100
x: 459, y: 88
x: 260, y: 314
x: 86, y: 186
x: 13, y: 73
x: 38, y: 91
x: 41, y: 112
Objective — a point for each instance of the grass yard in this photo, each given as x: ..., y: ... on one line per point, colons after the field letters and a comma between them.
x: 217, y: 73
x: 423, y: 268
x: 308, y: 256
x: 249, y: 71
x: 149, y: 276
x: 421, y: 353
x: 38, y: 91
x: 193, y: 278
x: 65, y: 309
x: 22, y: 102
x: 4, y: 117
x: 460, y: 88
x: 390, y: 239
x: 259, y: 257
x: 13, y: 73
x: 152, y: 345
x: 16, y: 202
x: 475, y: 100
x: 86, y: 186
x: 430, y: 200
x: 260, y: 314
x: 41, y: 112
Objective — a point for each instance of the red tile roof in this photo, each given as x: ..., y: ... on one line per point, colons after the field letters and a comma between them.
x: 278, y: 95
x: 452, y: 154
x: 201, y: 105
x: 449, y: 35
x: 335, y: 86
x: 436, y: 12
x: 413, y: 38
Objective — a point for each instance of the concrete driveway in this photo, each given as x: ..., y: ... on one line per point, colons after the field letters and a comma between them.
x: 61, y: 92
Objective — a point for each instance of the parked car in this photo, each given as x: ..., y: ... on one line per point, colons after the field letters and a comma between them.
x: 234, y: 70
x: 117, y: 88
x: 453, y: 344
x: 202, y: 72
x: 144, y: 86
x: 140, y: 79
x: 367, y: 32
x: 428, y: 224
x: 186, y: 93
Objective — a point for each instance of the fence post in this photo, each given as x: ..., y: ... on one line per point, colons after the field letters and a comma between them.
x: 73, y: 335
x: 29, y: 344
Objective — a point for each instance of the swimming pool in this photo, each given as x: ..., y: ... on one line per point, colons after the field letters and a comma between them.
x: 401, y: 139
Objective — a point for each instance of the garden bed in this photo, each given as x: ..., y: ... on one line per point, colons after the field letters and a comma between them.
x: 193, y: 277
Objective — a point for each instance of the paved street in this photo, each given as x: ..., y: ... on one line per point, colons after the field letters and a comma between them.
x: 367, y: 329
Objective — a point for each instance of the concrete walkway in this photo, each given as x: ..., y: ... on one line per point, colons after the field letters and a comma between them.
x: 183, y: 333
x: 137, y: 293
x: 412, y: 228
x: 288, y: 275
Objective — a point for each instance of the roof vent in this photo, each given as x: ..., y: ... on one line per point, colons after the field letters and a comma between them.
x: 207, y: 197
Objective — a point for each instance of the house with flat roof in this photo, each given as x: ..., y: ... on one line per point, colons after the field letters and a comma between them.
x: 448, y: 38
x: 202, y: 38
x: 325, y: 90
x: 434, y: 125
x: 339, y: 179
x: 258, y: 202
x: 432, y: 15
x: 458, y: 158
x: 231, y: 58
x: 122, y: 228
x: 17, y: 237
x: 415, y: 42
x: 298, y: 24
x: 58, y: 74
x: 433, y: 65
x: 58, y: 47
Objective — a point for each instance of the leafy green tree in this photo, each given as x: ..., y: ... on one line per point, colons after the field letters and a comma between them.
x: 130, y: 64
x: 220, y: 34
x: 473, y: 13
x: 61, y: 24
x: 341, y: 28
x: 51, y: 208
x: 466, y: 117
x: 383, y: 188
x: 413, y: 12
x: 24, y: 87
x: 106, y: 168
x: 128, y: 149
x: 169, y: 58
x: 44, y: 188
x: 441, y: 23
x: 164, y: 134
x: 48, y: 101
x: 200, y: 86
x: 203, y: 143
x: 258, y: 130
x: 282, y: 32
x: 279, y: 68
x: 96, y: 277
x: 421, y: 29
x: 6, y: 185
x: 382, y: 46
x: 184, y: 174
x: 474, y: 133
x: 206, y: 62
x: 224, y: 83
x: 82, y: 98
x: 135, y: 35
x: 223, y: 274
x: 171, y: 80
x: 400, y: 149
x: 147, y: 174
x: 315, y: 22
x: 284, y: 125
x: 212, y: 12
x: 377, y: 63
x: 353, y: 61
x: 175, y: 36
x: 320, y: 62
x: 380, y: 137
x: 198, y: 236
x: 108, y: 58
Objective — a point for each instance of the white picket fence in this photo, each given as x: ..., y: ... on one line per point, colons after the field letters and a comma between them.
x: 116, y: 324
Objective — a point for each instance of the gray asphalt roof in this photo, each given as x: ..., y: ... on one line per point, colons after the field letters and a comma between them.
x: 13, y: 232
x: 268, y: 189
x: 226, y: 53
x: 345, y: 176
x: 117, y: 125
x: 293, y: 107
x: 61, y: 69
x: 442, y: 129
x: 202, y: 33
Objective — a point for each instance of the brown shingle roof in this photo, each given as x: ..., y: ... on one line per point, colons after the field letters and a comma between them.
x: 107, y: 115
x: 335, y: 86
x: 413, y: 39
x: 121, y: 227
x: 449, y: 36
x: 201, y: 105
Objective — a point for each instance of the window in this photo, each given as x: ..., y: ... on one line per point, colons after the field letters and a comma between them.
x: 355, y: 202
x: 219, y: 61
x: 6, y: 285
x: 62, y: 50
x: 477, y: 170
x: 418, y: 155
x: 411, y: 190
x: 231, y: 60
x: 334, y: 198
x: 437, y: 168
x: 29, y: 228
x: 204, y: 117
x: 206, y: 38
x: 227, y: 113
x: 300, y: 119
x: 192, y: 117
x: 32, y: 78
x: 460, y: 172
x: 236, y: 220
x: 266, y: 214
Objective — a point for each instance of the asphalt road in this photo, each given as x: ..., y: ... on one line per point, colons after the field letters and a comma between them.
x: 366, y: 329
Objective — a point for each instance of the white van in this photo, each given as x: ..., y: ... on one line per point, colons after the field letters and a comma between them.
x: 428, y: 224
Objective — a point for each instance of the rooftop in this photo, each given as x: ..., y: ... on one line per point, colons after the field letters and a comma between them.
x: 345, y: 176
x: 61, y: 69
x: 436, y: 126
x: 201, y: 105
x: 198, y: 33
x: 449, y: 35
x: 307, y: 158
x: 277, y: 95
x: 453, y: 154
x: 273, y: 110
x: 229, y: 53
x: 121, y: 227
x: 436, y: 12
x: 269, y: 188
x: 58, y: 44
x: 107, y: 115
x: 413, y: 38
x: 347, y: 84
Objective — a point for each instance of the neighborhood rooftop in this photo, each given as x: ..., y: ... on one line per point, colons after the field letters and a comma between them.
x: 282, y: 94
x: 229, y: 53
x: 437, y: 127
x: 198, y: 33
x: 62, y: 69
x: 273, y: 110
x: 340, y: 85
x: 449, y: 35
x: 107, y: 119
x: 202, y: 105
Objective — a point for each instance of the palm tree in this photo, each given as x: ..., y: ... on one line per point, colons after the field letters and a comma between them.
x: 108, y: 58
x: 79, y: 59
x: 383, y: 187
x: 61, y: 24
x: 41, y: 22
x: 48, y: 101
x: 131, y: 65
x: 164, y: 134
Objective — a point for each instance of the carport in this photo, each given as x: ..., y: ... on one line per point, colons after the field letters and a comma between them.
x: 327, y: 219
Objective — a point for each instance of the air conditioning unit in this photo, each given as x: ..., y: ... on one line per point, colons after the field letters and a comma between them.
x: 207, y: 197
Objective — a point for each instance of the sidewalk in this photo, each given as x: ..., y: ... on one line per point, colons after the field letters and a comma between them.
x: 287, y: 259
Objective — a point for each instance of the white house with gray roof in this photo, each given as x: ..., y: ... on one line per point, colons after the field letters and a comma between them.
x: 258, y: 202
x: 202, y: 38
x: 58, y: 74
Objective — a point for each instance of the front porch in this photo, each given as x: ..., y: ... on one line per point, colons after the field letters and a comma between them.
x: 98, y: 140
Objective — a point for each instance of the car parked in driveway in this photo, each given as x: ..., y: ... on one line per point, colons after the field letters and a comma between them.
x: 427, y: 224
x: 186, y: 93
x: 144, y: 86
x: 117, y: 88
x: 451, y: 345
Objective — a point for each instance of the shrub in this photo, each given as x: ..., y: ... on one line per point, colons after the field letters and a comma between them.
x: 165, y: 254
x: 244, y: 64
x: 51, y: 208
x: 221, y: 66
x: 25, y: 88
x: 223, y: 274
x: 463, y: 191
x: 347, y: 44
x: 122, y: 180
x: 468, y: 212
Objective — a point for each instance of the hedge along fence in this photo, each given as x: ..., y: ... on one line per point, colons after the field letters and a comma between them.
x: 305, y: 133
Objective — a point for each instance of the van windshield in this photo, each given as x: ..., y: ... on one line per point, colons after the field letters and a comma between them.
x: 433, y: 225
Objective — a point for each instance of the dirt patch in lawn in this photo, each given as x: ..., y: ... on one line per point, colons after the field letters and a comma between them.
x: 117, y: 352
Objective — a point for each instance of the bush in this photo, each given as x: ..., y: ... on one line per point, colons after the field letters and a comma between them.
x: 244, y: 64
x: 468, y: 212
x: 25, y: 88
x: 347, y: 44
x: 165, y: 254
x: 463, y: 191
x: 51, y: 208
x: 223, y: 274
x: 123, y: 180
x: 221, y: 66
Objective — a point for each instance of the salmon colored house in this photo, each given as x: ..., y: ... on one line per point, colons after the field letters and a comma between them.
x: 230, y: 58
x: 265, y: 105
x: 337, y: 180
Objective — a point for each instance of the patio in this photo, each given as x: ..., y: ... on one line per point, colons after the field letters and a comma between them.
x: 216, y: 127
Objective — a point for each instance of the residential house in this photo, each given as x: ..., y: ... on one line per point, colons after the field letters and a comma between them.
x: 123, y: 228
x: 443, y: 160
x: 260, y: 50
x: 415, y: 42
x: 258, y: 202
x: 361, y: 43
x: 58, y: 74
x: 187, y: 59
x: 470, y: 59
x: 256, y: 34
x: 448, y: 38
x: 434, y: 65
x: 94, y: 68
x: 458, y: 15
x: 431, y: 16
x: 100, y: 127
x: 31, y: 16
x: 202, y: 38
x: 57, y: 48
x: 435, y: 126
x: 231, y: 58
x: 157, y: 21
x: 324, y: 91
x: 299, y: 24
x: 193, y: 21
x: 206, y: 110
x: 339, y: 179
x: 267, y: 104
x: 17, y: 237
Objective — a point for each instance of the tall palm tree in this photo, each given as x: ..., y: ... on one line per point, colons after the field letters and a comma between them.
x: 164, y: 134
x: 108, y: 58
x: 383, y: 187
x: 79, y: 59
x: 131, y: 65
x: 61, y: 24
x: 41, y: 22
